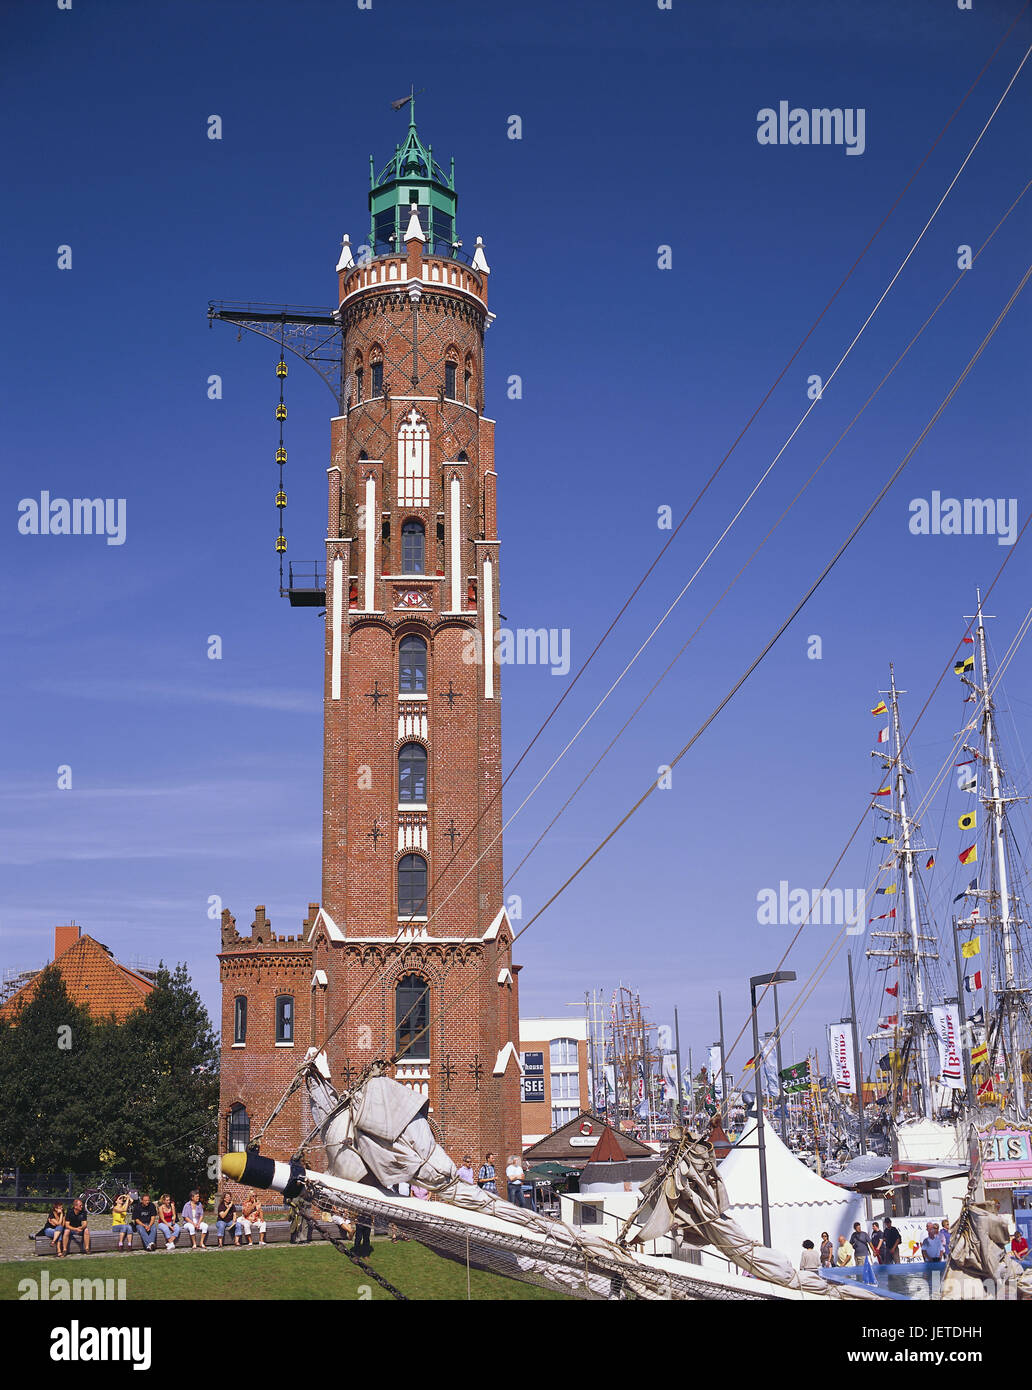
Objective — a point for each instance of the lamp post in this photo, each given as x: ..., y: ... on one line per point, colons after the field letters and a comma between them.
x: 780, y: 977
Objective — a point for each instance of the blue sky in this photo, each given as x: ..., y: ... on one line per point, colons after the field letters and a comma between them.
x: 194, y: 778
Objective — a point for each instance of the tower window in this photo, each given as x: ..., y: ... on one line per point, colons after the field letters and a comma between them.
x: 376, y: 378
x: 359, y: 376
x: 412, y: 1018
x: 412, y: 886
x: 238, y: 1130
x: 449, y: 380
x: 284, y: 1018
x: 413, y: 548
x: 240, y: 1018
x: 412, y: 773
x: 413, y: 196
x: 412, y: 666
x: 467, y: 377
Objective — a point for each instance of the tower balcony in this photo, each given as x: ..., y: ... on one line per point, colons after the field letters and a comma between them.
x: 306, y: 585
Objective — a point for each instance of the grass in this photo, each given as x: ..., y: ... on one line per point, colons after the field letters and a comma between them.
x: 291, y: 1272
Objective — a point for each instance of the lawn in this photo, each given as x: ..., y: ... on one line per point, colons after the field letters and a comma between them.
x: 290, y: 1272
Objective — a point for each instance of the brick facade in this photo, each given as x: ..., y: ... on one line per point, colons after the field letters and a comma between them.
x: 417, y: 450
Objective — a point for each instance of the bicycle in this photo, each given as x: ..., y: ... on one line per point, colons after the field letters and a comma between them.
x: 97, y: 1200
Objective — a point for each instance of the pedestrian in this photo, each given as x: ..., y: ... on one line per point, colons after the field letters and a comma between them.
x: 845, y: 1254
x: 486, y: 1176
x: 120, y: 1216
x: 167, y: 1223
x: 877, y: 1241
x: 144, y: 1223
x: 809, y: 1258
x: 827, y: 1251
x: 363, y: 1243
x: 1019, y: 1246
x: 466, y: 1173
x: 931, y: 1246
x: 861, y: 1243
x: 514, y: 1181
x: 890, y: 1243
x: 946, y: 1234
x: 194, y: 1223
x: 76, y: 1226
x: 224, y: 1214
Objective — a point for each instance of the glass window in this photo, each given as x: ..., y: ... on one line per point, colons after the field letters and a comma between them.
x: 284, y: 1018
x: 412, y: 1018
x: 412, y: 666
x: 564, y: 1052
x: 238, y: 1130
x: 359, y: 377
x: 449, y: 380
x: 562, y: 1115
x: 412, y: 772
x: 565, y: 1085
x: 240, y: 1019
x: 413, y: 548
x: 412, y: 886
x: 376, y: 378
x: 467, y: 376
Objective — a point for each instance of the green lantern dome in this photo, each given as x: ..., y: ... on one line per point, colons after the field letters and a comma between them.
x: 412, y: 176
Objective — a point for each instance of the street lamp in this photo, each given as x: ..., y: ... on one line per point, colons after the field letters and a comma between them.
x: 780, y: 977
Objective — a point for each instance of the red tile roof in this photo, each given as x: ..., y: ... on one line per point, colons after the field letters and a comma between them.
x: 92, y: 978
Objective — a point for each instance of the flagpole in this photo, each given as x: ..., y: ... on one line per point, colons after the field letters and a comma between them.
x: 723, y: 1076
x: 680, y: 1081
x: 969, y: 1089
x: 781, y: 1083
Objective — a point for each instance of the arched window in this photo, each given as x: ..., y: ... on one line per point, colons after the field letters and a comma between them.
x: 412, y: 773
x: 412, y: 666
x: 413, y: 548
x: 359, y: 378
x: 449, y: 380
x: 238, y: 1130
x: 375, y: 372
x: 240, y: 1019
x: 412, y: 1018
x: 411, y: 886
x: 563, y: 1052
x: 467, y: 379
x: 414, y: 462
x: 284, y: 1018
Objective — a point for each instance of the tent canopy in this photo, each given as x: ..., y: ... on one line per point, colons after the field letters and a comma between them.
x: 789, y: 1182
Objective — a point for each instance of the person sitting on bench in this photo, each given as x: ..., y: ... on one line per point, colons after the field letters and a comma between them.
x: 76, y: 1227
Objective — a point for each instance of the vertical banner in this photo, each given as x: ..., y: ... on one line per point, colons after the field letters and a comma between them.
x: 714, y: 1069
x: 946, y: 1021
x: 843, y: 1063
x: 670, y: 1077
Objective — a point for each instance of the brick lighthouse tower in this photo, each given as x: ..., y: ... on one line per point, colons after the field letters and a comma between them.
x: 409, y: 953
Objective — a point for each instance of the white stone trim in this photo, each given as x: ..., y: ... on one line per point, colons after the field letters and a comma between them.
x: 455, y: 552
x: 371, y: 519
x: 502, y: 1060
x: 489, y: 630
x: 337, y: 600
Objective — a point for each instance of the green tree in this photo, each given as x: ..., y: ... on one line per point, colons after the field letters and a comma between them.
x: 48, y: 1057
x: 167, y: 1057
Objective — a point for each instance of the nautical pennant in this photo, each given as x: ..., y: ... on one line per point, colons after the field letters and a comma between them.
x: 892, y: 989
x: 883, y: 791
x: 890, y: 889
x: 969, y: 889
x: 968, y: 821
x: 966, y: 663
x: 973, y: 982
x: 980, y: 1053
x: 884, y: 840
x: 883, y: 916
x: 880, y: 708
x: 931, y: 862
x: 883, y: 734
x: 969, y: 855
x: 971, y: 948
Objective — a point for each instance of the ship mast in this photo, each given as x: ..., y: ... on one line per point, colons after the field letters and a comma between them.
x: 908, y: 938
x: 1011, y: 1001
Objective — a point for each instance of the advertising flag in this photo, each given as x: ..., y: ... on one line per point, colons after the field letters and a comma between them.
x: 714, y: 1068
x: 843, y: 1063
x: 946, y: 1021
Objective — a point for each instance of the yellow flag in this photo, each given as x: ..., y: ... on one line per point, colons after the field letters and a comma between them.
x: 968, y: 821
x: 972, y: 947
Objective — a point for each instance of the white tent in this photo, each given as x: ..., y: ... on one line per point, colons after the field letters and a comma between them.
x: 802, y: 1205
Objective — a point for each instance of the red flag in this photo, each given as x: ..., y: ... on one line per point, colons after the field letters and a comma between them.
x: 892, y: 989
